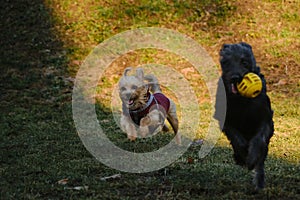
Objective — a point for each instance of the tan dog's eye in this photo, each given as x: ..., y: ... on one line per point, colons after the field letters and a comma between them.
x: 122, y: 89
x: 134, y: 87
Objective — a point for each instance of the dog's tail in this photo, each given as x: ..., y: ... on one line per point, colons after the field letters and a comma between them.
x: 153, y: 83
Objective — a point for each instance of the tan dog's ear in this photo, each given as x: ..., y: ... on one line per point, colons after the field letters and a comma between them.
x: 140, y: 73
x: 128, y: 69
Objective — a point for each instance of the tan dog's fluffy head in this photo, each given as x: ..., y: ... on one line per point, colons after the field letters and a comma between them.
x: 128, y: 86
x: 139, y: 98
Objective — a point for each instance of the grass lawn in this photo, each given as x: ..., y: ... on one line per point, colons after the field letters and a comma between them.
x: 43, y: 43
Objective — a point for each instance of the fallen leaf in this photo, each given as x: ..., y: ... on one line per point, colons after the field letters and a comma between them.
x: 110, y: 177
x: 63, y: 181
x: 77, y: 188
x: 81, y: 188
x: 185, y: 71
x: 281, y: 82
x: 190, y: 160
x: 76, y: 62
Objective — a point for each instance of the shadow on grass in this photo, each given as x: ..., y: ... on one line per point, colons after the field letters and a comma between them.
x: 31, y: 55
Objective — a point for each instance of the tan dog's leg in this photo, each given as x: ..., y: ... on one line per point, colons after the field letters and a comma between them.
x: 143, y: 129
x: 128, y: 127
x: 173, y: 120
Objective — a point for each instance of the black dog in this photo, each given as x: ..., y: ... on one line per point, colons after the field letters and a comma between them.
x: 248, y: 122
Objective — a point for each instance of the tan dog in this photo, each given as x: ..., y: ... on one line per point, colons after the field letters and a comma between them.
x: 144, y: 113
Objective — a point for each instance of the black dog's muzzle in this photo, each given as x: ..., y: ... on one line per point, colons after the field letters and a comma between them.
x: 235, y: 78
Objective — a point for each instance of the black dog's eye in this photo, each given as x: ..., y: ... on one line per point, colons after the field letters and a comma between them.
x: 134, y: 87
x: 245, y: 63
x: 225, y: 66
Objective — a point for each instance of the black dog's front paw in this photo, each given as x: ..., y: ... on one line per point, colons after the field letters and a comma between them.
x: 239, y: 160
x: 259, y: 179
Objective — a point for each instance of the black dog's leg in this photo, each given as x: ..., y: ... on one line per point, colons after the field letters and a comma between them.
x: 258, y: 147
x: 259, y: 176
x: 258, y: 150
x: 239, y: 145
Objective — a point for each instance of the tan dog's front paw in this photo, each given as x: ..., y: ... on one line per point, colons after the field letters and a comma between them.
x: 131, y: 137
x: 143, y: 131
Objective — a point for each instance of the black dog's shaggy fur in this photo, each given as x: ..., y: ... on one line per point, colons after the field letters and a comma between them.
x: 248, y: 122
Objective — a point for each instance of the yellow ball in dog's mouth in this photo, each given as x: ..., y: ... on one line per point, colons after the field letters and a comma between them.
x: 250, y: 86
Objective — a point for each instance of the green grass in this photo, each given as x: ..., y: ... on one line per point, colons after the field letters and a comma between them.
x: 42, y: 46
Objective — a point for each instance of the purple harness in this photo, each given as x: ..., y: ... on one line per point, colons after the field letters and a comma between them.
x: 156, y: 101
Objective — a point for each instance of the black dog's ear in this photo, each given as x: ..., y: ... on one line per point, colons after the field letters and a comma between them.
x: 254, y: 67
x: 246, y: 45
x: 256, y: 70
x: 224, y: 48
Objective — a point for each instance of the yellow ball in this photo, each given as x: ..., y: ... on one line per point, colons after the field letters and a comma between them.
x: 250, y: 86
